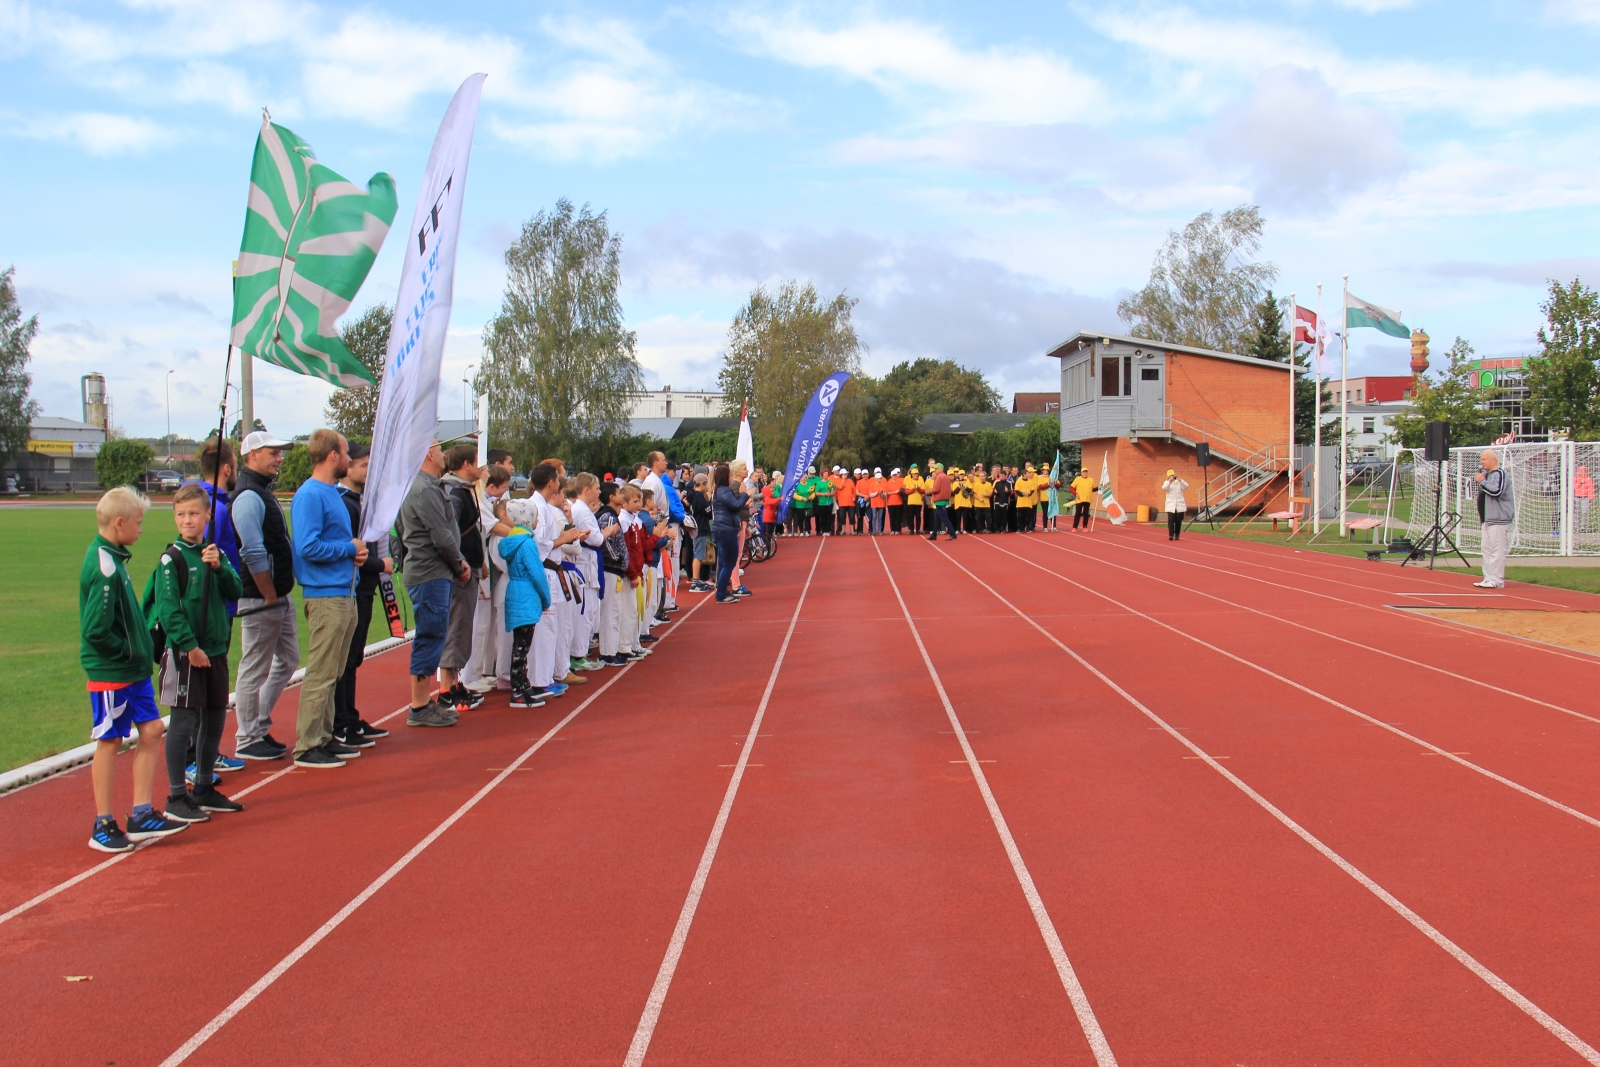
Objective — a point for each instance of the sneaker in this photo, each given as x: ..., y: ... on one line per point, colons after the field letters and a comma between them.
x: 189, y: 775
x: 729, y: 599
x: 183, y: 809
x: 340, y: 749
x: 430, y: 714
x: 211, y: 800
x: 273, y: 742
x: 226, y: 764
x: 108, y: 837
x: 556, y: 689
x: 619, y: 660
x: 637, y: 654
x: 649, y: 639
x: 369, y: 730
x: 460, y: 697
x: 482, y: 685
x: 672, y: 608
x: 318, y: 759
x: 527, y: 699
x: 662, y: 620
x: 152, y: 824
x: 741, y: 591
x: 587, y: 665
x: 354, y: 738
x: 258, y: 749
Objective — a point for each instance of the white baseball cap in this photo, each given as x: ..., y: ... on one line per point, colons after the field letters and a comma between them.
x: 260, y: 439
x: 894, y: 472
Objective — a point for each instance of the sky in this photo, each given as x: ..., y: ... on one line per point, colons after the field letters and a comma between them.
x: 986, y: 180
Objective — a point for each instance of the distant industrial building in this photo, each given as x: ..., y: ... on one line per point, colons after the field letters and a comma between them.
x: 669, y: 403
x: 60, y: 457
x: 1381, y: 389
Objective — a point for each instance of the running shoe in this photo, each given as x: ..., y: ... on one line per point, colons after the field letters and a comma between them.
x: 586, y: 664
x: 741, y: 591
x: 211, y: 800
x: 672, y: 608
x: 527, y: 699
x: 729, y: 599
x: 482, y: 685
x: 649, y: 639
x: 461, y: 696
x: 340, y: 749
x: 369, y: 730
x: 619, y: 660
x: 354, y: 738
x: 430, y: 714
x: 556, y: 689
x: 637, y: 654
x: 225, y: 764
x: 189, y: 775
x: 183, y: 809
x: 662, y: 620
x: 258, y: 749
x: 108, y: 837
x: 318, y: 759
x: 152, y: 824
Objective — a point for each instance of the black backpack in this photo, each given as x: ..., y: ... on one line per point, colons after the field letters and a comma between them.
x: 180, y: 569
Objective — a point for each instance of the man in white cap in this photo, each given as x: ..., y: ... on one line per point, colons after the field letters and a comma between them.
x: 269, y: 649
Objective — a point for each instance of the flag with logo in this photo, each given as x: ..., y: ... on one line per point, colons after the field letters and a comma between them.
x: 310, y: 237
x: 1359, y: 313
x: 1114, y: 510
x: 810, y: 436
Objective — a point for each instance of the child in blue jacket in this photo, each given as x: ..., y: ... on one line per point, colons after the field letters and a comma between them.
x: 527, y: 592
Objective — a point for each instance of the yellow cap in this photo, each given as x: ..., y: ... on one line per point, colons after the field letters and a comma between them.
x: 1171, y: 473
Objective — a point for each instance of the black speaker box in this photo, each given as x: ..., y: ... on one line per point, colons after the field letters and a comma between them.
x: 1202, y: 454
x: 1436, y: 442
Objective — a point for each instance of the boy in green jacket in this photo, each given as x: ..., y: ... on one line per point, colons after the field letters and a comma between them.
x: 187, y: 603
x: 115, y: 654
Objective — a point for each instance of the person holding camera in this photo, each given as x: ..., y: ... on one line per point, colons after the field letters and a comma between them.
x: 1176, y: 505
x: 1497, y: 507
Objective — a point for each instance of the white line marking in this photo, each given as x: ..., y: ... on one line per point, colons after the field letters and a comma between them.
x: 1330, y: 701
x: 244, y: 999
x: 1494, y: 981
x: 1333, y: 636
x: 1096, y: 1037
x: 680, y: 933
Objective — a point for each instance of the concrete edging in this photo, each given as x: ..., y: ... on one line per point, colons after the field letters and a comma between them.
x: 38, y: 770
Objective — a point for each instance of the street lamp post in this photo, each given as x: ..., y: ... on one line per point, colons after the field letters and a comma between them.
x: 170, y: 373
x: 465, y: 386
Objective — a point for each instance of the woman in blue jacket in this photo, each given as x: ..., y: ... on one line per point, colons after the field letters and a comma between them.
x: 726, y: 504
x: 527, y: 594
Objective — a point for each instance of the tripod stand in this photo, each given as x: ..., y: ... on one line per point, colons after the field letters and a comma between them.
x: 1203, y: 512
x: 1439, y: 533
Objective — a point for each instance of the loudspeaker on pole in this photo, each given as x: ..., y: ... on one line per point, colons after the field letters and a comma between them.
x: 1436, y: 442
x: 1202, y: 453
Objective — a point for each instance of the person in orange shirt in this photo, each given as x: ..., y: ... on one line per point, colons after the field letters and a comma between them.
x: 877, y: 498
x: 895, y: 486
x: 915, y: 484
x: 844, y: 496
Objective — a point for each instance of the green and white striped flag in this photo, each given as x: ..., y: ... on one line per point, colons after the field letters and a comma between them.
x: 1359, y: 313
x: 310, y: 238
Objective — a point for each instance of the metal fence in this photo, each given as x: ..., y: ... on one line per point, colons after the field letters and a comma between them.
x: 1553, y: 485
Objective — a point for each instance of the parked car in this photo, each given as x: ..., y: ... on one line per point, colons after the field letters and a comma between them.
x: 519, y: 482
x: 1366, y: 468
x: 166, y: 481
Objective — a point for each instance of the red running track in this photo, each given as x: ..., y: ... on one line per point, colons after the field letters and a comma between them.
x: 1193, y: 849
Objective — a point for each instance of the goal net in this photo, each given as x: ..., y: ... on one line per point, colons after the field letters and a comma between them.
x: 1553, y: 485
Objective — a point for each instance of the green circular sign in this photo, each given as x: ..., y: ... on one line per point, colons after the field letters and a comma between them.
x: 1486, y: 380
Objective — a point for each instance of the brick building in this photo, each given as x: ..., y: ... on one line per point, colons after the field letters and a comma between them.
x: 1146, y: 405
x: 1373, y: 389
x: 1035, y: 403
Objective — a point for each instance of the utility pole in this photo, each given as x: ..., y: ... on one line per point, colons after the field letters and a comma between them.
x: 170, y: 373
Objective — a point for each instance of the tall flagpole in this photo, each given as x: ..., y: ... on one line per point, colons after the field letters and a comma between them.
x: 1294, y: 318
x: 1344, y: 403
x: 1316, y: 446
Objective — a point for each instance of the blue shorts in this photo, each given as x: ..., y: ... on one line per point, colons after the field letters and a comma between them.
x: 702, y: 546
x: 116, y: 710
x: 430, y: 605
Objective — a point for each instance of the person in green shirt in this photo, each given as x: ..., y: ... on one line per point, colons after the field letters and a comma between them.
x: 116, y: 655
x: 823, y: 507
x: 805, y: 492
x: 186, y: 599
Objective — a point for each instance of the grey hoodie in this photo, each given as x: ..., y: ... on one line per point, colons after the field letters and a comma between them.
x: 1496, y: 504
x: 427, y: 544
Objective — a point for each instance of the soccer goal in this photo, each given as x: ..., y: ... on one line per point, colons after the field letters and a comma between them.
x: 1553, y: 484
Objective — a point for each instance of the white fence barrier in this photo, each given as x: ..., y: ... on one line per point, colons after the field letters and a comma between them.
x: 1553, y: 484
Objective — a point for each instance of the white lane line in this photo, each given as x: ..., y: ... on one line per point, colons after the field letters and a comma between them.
x: 1459, y: 954
x: 1090, y: 1025
x: 1332, y: 636
x: 1330, y: 701
x: 206, y: 1032
x: 1503, y: 639
x: 680, y: 933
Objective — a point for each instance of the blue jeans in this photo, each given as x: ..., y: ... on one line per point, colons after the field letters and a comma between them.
x: 430, y: 604
x: 941, y: 521
x: 727, y: 554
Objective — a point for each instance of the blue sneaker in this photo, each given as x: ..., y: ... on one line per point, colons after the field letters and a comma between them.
x: 224, y: 764
x: 189, y: 774
x: 153, y: 824
x: 557, y: 689
x: 108, y: 837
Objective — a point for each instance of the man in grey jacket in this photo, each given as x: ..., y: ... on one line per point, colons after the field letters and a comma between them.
x: 1496, y: 510
x: 427, y: 551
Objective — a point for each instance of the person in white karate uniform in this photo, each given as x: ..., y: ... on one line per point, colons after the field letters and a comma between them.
x: 583, y: 496
x: 551, y: 536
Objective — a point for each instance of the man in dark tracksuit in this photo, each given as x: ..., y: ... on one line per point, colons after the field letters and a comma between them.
x: 348, y: 725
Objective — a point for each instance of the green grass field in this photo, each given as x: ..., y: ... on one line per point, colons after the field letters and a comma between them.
x: 43, y: 708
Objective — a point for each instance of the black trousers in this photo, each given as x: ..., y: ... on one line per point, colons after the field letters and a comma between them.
x: 196, y: 730
x: 521, y: 643
x: 896, y: 516
x: 1174, y: 524
x: 345, y: 715
x: 1080, y: 513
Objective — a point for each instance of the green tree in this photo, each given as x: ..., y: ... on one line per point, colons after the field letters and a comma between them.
x: 1204, y: 287
x: 559, y: 362
x: 17, y: 411
x: 1453, y: 398
x: 123, y: 462
x: 942, y: 385
x: 295, y: 470
x: 353, y: 411
x: 781, y: 345
x: 1270, y: 340
x: 1562, y: 381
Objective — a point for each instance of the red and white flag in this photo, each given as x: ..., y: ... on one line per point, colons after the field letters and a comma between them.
x: 1305, y: 325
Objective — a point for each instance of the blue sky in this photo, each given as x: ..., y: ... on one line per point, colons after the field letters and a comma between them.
x: 986, y: 179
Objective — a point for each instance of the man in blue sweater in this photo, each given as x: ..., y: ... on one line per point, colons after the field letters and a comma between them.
x: 326, y: 555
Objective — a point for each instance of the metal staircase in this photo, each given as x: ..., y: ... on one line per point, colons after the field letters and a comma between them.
x: 1251, y: 464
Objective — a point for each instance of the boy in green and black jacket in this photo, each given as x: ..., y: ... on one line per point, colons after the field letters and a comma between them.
x: 115, y: 653
x: 186, y: 600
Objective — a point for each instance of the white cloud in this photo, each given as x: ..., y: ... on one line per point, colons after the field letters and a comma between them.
x: 920, y: 68
x: 1584, y: 12
x: 96, y: 132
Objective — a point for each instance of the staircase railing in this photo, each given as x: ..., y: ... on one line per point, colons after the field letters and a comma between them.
x: 1251, y: 463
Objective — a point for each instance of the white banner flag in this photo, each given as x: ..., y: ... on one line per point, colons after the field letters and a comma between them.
x: 408, y: 407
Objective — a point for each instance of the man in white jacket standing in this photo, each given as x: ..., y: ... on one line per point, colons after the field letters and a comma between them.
x: 1176, y: 504
x: 1497, y: 507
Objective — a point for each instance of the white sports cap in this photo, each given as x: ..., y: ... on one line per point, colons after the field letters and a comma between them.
x: 894, y: 472
x: 260, y: 439
x: 877, y: 470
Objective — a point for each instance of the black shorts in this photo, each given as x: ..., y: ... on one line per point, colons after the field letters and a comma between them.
x: 203, y: 687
